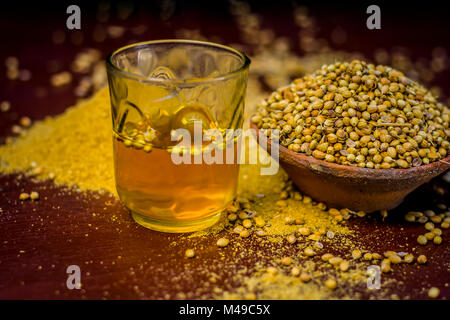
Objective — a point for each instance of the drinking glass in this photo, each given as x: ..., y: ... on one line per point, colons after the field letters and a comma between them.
x: 161, y: 90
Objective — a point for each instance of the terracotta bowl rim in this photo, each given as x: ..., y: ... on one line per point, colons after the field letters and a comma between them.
x: 345, y: 170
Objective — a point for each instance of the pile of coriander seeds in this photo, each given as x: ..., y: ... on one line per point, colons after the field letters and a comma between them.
x: 358, y: 114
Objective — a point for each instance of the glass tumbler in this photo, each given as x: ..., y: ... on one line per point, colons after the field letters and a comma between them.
x: 163, y: 95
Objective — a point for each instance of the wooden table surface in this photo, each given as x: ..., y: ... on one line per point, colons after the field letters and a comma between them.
x: 120, y: 259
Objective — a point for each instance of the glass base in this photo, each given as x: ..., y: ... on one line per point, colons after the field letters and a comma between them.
x: 175, y: 226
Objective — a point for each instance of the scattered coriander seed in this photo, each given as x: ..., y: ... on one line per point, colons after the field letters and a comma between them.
x: 34, y: 195
x: 295, y: 271
x: 238, y: 229
x: 330, y: 234
x: 386, y: 265
x: 309, y: 252
x: 433, y: 293
x: 409, y: 258
x: 242, y: 215
x: 127, y: 143
x: 260, y: 233
x: 314, y: 237
x: 24, y: 196
x: 335, y: 261
x: 25, y: 122
x: 304, y: 231
x: 361, y: 214
x: 232, y: 217
x: 307, y: 200
x: 437, y: 231
x: 148, y: 148
x: 286, y: 261
x: 305, y: 277
x: 247, y: 223
x: 291, y: 238
x: 5, y: 106
x: 437, y: 240
x: 387, y: 254
x: 333, y: 211
x: 356, y: 254
x: 244, y: 233
x: 422, y: 259
x: 15, y: 129
x: 233, y: 208
x: 429, y: 213
x: 344, y: 265
x: 318, y: 244
x: 327, y: 256
x: 189, y: 253
x: 138, y: 144
x: 422, y: 240
x: 436, y: 219
x: 376, y: 256
x: 288, y: 220
x: 281, y: 203
x: 61, y: 79
x: 298, y: 196
x: 429, y: 235
x: 395, y: 259
x: 423, y: 219
x: 445, y: 225
x: 272, y: 270
x: 223, y: 242
x: 367, y: 256
x: 331, y: 284
x: 429, y: 226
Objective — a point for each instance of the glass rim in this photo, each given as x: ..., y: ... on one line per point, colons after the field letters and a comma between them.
x: 179, y: 82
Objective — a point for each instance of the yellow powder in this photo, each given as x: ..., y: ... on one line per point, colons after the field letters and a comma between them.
x: 277, y: 286
x: 281, y: 285
x: 76, y: 146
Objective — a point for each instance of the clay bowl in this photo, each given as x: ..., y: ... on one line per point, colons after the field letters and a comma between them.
x: 355, y: 188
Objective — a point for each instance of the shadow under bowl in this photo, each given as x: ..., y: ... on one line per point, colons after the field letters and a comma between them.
x: 351, y: 187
